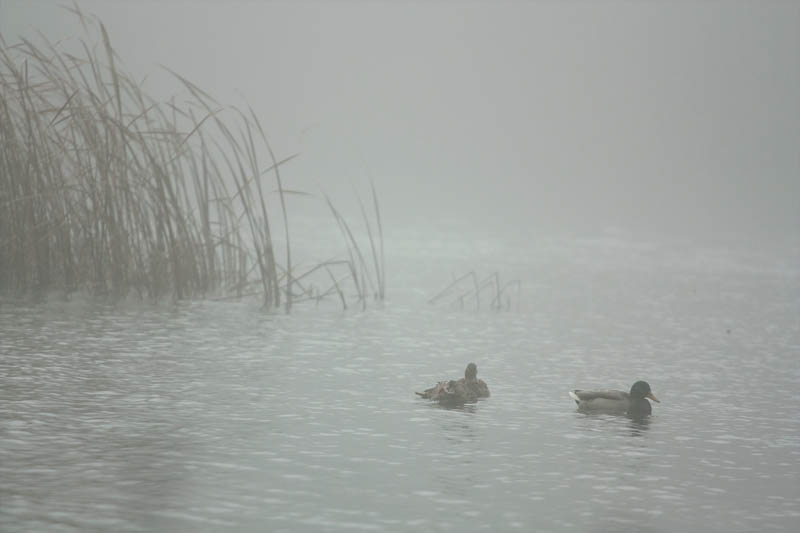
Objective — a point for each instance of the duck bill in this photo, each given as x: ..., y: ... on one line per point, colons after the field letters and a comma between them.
x: 653, y: 397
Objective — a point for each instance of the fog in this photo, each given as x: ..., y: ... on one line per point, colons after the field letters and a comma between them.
x: 679, y: 118
x: 624, y: 178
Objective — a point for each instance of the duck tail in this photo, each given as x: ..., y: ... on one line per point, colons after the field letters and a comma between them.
x: 575, y: 396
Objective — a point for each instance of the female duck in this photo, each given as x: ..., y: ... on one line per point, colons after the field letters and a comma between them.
x: 467, y: 389
x: 616, y: 401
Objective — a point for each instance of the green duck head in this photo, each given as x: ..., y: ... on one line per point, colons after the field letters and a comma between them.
x: 641, y: 390
x: 471, y: 373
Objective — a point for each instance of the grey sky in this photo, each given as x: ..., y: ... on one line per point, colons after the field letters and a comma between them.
x: 679, y: 116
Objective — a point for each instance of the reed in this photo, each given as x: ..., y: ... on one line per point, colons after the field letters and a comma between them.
x: 107, y: 190
x: 455, y: 293
x: 379, y: 265
x: 357, y: 264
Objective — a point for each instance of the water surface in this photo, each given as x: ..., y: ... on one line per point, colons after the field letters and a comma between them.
x: 206, y: 416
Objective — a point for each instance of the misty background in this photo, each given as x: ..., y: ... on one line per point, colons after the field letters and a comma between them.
x: 630, y: 171
x: 678, y: 118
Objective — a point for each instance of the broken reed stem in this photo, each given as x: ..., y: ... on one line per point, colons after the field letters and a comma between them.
x: 492, y: 280
x: 452, y: 284
x: 497, y: 303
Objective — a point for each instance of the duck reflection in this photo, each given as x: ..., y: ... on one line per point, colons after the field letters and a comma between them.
x: 638, y: 426
x: 463, y: 439
x: 463, y: 407
x: 625, y: 522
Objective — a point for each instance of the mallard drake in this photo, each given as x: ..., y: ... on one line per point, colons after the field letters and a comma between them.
x: 467, y: 389
x: 632, y: 403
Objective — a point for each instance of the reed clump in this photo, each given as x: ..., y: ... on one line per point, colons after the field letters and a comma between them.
x: 468, y: 287
x: 107, y: 190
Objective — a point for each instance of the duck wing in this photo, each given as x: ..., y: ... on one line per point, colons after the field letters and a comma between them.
x: 481, y: 389
x: 437, y: 391
x: 458, y: 392
x: 601, y: 401
x: 607, y: 394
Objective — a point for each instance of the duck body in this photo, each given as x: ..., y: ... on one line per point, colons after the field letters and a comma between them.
x: 633, y: 403
x: 464, y: 390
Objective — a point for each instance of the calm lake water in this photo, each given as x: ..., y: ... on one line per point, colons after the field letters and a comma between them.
x: 213, y: 415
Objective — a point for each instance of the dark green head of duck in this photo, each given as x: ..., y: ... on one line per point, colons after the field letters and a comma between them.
x: 471, y: 373
x: 641, y: 390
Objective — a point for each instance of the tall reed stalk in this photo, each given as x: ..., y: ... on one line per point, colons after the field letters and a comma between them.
x: 107, y: 190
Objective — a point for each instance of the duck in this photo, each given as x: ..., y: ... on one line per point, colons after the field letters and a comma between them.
x: 633, y: 403
x: 467, y: 389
